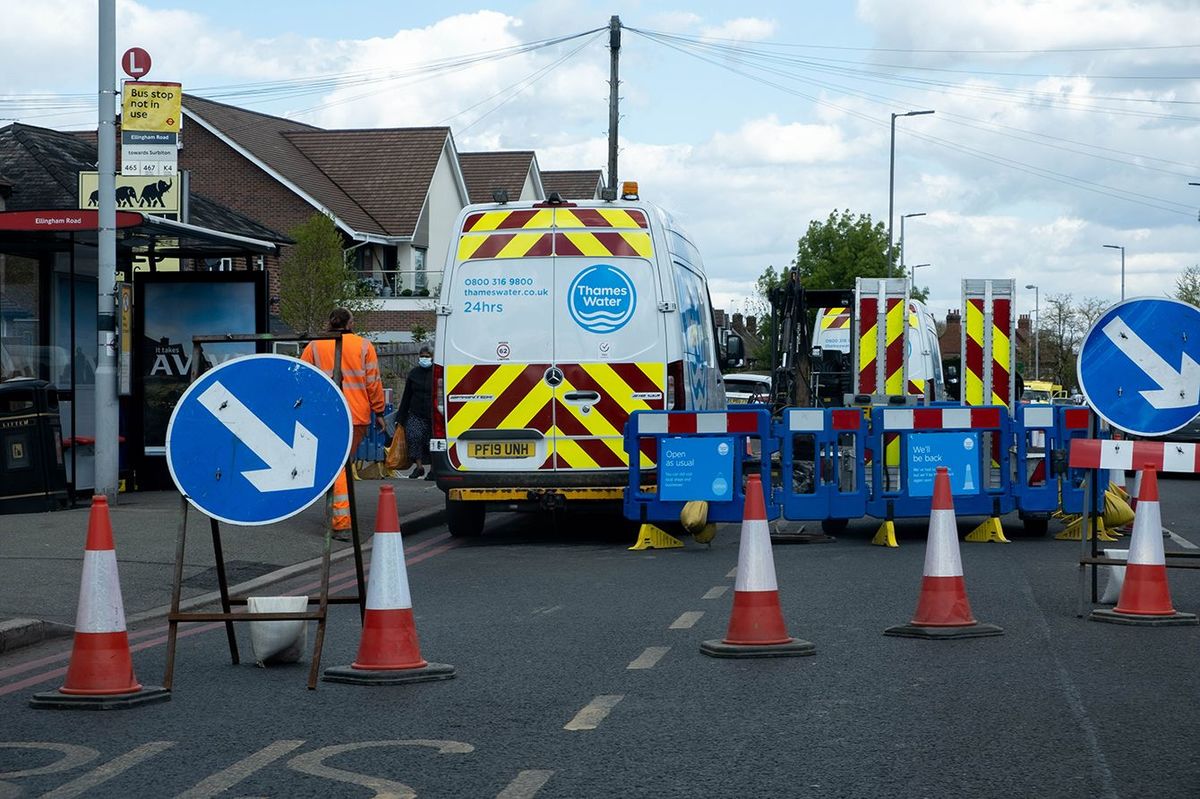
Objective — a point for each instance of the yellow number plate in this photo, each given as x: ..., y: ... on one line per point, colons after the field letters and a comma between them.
x: 501, y: 449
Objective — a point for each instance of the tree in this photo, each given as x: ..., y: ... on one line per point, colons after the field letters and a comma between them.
x: 1187, y: 285
x: 314, y: 278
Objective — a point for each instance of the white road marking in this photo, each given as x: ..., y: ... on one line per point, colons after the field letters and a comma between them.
x: 1178, y: 539
x: 105, y: 772
x: 547, y: 611
x: 224, y: 780
x: 526, y: 784
x: 732, y: 573
x: 595, y: 712
x: 647, y: 659
x: 686, y: 620
x: 314, y: 763
x: 715, y: 592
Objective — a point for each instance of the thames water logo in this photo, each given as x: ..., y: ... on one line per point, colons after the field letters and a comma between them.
x: 602, y: 299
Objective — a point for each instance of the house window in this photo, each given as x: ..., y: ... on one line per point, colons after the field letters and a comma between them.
x: 419, y: 278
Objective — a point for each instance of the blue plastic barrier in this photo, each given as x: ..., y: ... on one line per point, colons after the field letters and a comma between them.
x: 986, y: 428
x: 1038, y: 434
x: 1072, y: 423
x: 822, y: 463
x: 648, y: 431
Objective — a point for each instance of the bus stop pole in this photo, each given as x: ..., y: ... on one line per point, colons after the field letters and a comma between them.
x: 107, y: 421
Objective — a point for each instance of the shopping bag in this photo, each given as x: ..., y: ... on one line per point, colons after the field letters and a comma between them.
x: 397, y: 453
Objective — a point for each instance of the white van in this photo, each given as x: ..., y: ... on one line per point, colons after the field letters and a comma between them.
x: 923, y: 362
x: 556, y: 321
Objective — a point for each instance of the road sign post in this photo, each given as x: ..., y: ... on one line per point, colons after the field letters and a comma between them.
x: 1139, y: 366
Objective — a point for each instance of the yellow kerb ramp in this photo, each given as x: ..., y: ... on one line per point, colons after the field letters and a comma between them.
x: 651, y: 537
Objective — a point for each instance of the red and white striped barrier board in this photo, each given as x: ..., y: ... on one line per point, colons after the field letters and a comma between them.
x: 940, y: 418
x: 815, y: 420
x: 1039, y: 417
x: 1164, y: 456
x: 649, y: 424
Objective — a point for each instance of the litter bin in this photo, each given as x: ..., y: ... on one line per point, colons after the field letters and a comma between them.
x: 33, y: 474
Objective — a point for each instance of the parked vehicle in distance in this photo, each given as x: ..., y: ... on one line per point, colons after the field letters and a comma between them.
x: 743, y: 387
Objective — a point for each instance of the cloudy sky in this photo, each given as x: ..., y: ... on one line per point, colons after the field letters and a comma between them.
x: 1060, y: 125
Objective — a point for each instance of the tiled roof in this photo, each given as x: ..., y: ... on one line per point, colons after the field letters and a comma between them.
x: 387, y: 171
x: 43, y: 167
x: 374, y: 181
x: 485, y: 172
x: 572, y: 184
x: 262, y: 136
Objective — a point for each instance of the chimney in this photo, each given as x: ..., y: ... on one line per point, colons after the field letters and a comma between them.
x: 752, y: 325
x: 950, y: 342
x: 1024, y: 326
x: 737, y: 322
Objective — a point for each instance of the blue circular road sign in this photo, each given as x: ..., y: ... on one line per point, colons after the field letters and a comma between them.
x: 258, y: 439
x: 1139, y: 366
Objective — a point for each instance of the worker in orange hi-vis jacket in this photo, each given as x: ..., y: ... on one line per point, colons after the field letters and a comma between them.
x: 363, y: 392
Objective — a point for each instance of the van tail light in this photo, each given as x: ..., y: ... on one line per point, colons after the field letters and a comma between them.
x: 439, y: 403
x: 676, y: 396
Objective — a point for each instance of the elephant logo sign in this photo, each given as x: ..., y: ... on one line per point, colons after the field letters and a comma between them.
x: 153, y: 193
x: 126, y: 195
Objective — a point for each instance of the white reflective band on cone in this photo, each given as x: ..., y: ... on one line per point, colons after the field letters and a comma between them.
x: 941, y: 552
x: 100, y: 607
x: 387, y: 587
x: 1146, y: 548
x: 756, y: 564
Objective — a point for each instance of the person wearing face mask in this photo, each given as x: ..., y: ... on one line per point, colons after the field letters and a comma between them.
x: 416, y: 412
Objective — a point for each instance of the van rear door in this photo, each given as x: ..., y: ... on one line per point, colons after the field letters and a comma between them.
x: 498, y: 343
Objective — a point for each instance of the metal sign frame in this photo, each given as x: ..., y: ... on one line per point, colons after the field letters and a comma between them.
x: 175, y: 617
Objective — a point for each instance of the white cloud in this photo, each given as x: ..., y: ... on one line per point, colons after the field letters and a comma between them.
x: 749, y: 29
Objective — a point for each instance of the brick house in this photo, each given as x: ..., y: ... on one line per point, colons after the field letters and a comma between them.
x: 393, y: 193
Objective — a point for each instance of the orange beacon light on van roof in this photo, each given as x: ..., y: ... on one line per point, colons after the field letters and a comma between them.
x: 629, y: 190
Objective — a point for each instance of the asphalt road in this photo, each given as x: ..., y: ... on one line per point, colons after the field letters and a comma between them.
x: 579, y: 675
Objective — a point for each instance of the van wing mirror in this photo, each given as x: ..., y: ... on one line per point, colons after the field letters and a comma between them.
x: 735, y: 350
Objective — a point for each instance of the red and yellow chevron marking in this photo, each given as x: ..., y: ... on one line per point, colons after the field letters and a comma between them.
x: 565, y: 218
x: 893, y: 343
x: 596, y: 244
x: 505, y: 245
x: 562, y: 218
x: 997, y: 393
x: 516, y: 397
x: 868, y: 336
x: 542, y: 218
x: 835, y: 319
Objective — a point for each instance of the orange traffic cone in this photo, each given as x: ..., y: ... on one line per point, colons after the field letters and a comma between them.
x: 942, y: 609
x: 388, y: 653
x: 756, y: 627
x: 1145, y: 596
x: 100, y: 675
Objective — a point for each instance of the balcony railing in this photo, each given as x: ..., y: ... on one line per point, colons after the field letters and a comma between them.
x: 388, y: 283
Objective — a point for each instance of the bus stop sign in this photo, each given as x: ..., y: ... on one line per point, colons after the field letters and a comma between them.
x: 258, y: 439
x: 1139, y: 366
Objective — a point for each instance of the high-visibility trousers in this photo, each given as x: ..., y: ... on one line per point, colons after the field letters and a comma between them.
x: 340, y: 519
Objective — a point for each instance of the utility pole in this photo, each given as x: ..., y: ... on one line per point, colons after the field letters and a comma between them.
x: 614, y: 47
x: 106, y: 411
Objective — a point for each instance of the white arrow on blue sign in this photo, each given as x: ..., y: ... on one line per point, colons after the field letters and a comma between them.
x: 1139, y: 366
x: 258, y: 439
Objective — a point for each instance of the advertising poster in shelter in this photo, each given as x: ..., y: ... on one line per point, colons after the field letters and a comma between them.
x: 171, y: 309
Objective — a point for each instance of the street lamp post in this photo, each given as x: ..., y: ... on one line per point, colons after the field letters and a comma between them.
x: 1037, y: 333
x: 902, y: 218
x: 1122, y: 249
x: 892, y: 180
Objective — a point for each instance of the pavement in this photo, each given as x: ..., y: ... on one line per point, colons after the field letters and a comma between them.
x: 41, y: 554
